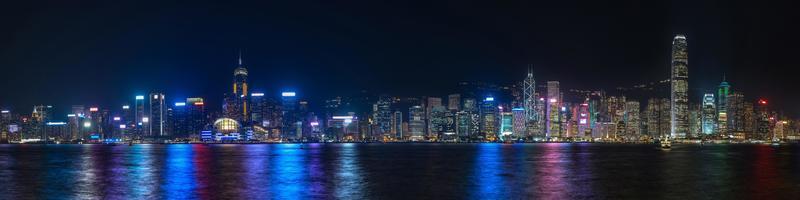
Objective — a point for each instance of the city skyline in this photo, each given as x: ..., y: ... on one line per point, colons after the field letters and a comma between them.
x: 625, y: 48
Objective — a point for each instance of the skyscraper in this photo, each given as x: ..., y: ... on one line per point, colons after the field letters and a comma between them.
x: 679, y: 115
x: 454, y: 102
x: 553, y: 106
x: 708, y: 115
x: 722, y: 107
x: 529, y: 101
x: 235, y: 105
x: 157, y: 117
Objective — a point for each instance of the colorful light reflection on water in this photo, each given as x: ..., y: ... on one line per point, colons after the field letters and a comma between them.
x: 397, y: 171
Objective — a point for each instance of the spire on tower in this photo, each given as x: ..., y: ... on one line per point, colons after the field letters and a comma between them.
x: 240, y: 57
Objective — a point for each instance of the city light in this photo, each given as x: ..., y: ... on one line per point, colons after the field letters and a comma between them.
x: 762, y: 102
x: 117, y: 118
x: 258, y: 94
x: 198, y: 103
x: 5, y: 111
x: 489, y: 99
x: 71, y: 115
x: 155, y: 96
x: 139, y: 97
x: 553, y: 100
x: 56, y: 123
x: 314, y: 123
x: 122, y: 126
x: 342, y: 117
x: 288, y: 94
x: 87, y: 124
x: 180, y: 103
x: 125, y: 107
x: 93, y: 109
x: 145, y: 119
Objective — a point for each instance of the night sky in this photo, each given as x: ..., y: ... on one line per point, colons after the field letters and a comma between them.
x: 103, y: 53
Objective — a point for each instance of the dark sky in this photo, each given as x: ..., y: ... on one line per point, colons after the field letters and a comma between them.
x: 105, y: 52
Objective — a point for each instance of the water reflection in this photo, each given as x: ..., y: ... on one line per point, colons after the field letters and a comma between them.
x: 371, y: 171
x: 178, y: 178
x: 348, y: 174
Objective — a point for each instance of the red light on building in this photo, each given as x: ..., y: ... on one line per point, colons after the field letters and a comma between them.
x: 93, y: 109
x: 762, y: 102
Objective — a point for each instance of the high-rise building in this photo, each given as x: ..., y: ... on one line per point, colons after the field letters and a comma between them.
x: 488, y: 128
x: 633, y: 128
x: 519, y: 122
x: 397, y: 125
x: 290, y: 115
x: 736, y: 115
x: 454, y: 102
x: 382, y: 113
x: 722, y: 107
x: 680, y: 85
x: 553, y: 107
x: 240, y: 92
x: 141, y: 126
x: 416, y: 123
x: 429, y: 105
x: 529, y: 101
x: 157, y: 115
x: 708, y: 114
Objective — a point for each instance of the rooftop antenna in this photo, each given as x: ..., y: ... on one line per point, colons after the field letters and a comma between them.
x: 240, y: 57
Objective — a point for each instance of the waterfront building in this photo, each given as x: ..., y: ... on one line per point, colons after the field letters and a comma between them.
x: 722, y: 107
x: 488, y: 125
x: 679, y: 121
x: 156, y: 122
x: 709, y: 118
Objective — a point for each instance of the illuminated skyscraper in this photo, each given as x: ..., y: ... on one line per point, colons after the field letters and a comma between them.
x: 679, y: 115
x: 489, y: 119
x: 722, y: 107
x: 529, y: 100
x: 157, y: 115
x: 236, y: 103
x: 416, y: 123
x: 708, y: 115
x: 553, y: 107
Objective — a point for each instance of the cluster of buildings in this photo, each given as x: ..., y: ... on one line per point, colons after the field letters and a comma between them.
x: 477, y: 112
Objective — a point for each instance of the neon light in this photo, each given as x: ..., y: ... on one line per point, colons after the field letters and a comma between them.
x: 122, y: 126
x: 198, y: 103
x: 342, y: 117
x: 87, y: 124
x: 5, y: 111
x: 56, y: 123
x: 139, y: 97
x: 583, y: 121
x: 180, y: 103
x: 70, y: 115
x: 288, y: 94
x: 258, y: 94
x: 93, y: 109
x: 518, y: 109
x: 314, y: 123
x: 553, y: 100
x: 125, y: 107
x: 117, y: 118
x: 145, y: 119
x: 489, y: 99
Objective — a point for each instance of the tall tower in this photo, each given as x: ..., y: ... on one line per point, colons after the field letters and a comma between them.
x: 553, y: 104
x: 239, y: 95
x: 156, y: 115
x: 679, y: 115
x: 722, y: 107
x: 529, y: 91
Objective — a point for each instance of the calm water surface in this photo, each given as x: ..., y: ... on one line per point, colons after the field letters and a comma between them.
x: 399, y: 171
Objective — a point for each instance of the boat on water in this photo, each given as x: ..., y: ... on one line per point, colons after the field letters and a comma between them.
x: 665, y: 143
